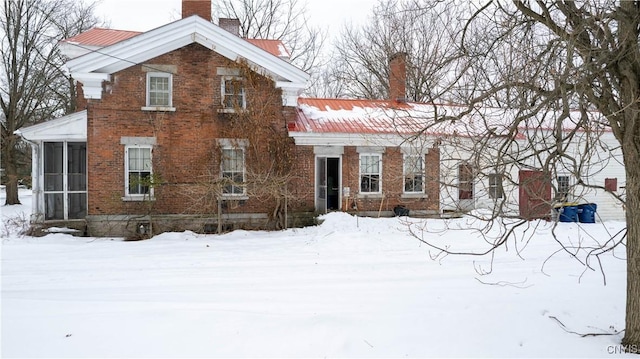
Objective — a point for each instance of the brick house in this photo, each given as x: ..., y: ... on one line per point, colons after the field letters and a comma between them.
x: 189, y: 126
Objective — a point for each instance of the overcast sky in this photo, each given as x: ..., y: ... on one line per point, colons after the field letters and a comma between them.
x: 143, y: 15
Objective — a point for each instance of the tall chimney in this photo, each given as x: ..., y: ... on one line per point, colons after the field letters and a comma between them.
x: 398, y: 77
x: 201, y: 8
x: 231, y: 25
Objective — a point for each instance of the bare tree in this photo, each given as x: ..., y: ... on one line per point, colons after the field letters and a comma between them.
x: 585, y: 56
x: 284, y: 20
x: 34, y: 86
x: 426, y: 31
x: 551, y: 87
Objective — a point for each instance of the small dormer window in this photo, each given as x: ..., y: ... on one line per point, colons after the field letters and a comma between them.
x: 233, y: 94
x: 159, y: 86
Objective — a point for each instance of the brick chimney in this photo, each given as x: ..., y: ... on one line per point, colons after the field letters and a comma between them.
x: 231, y: 25
x: 201, y: 8
x: 398, y: 77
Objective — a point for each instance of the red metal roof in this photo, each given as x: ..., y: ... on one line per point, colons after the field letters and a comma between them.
x: 274, y: 47
x: 101, y: 37
x: 357, y: 116
x: 354, y: 116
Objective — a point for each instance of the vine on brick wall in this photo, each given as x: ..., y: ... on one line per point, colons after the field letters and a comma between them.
x: 260, y: 129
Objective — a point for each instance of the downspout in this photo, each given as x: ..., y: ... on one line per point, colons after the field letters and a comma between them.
x: 37, y: 205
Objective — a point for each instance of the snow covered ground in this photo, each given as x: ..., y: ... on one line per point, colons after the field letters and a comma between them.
x: 351, y: 287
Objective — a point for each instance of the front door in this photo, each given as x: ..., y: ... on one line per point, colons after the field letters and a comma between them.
x: 327, y: 184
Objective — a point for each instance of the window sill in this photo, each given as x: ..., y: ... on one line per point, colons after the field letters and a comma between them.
x: 159, y: 108
x: 231, y: 110
x: 370, y: 195
x: 414, y: 195
x: 137, y: 198
x: 230, y: 197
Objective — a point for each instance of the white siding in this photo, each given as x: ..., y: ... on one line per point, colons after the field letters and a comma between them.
x: 604, y: 161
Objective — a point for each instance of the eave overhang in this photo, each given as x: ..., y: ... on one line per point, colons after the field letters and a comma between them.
x: 71, y: 127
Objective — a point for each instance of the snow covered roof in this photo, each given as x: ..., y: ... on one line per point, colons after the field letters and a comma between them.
x: 354, y: 121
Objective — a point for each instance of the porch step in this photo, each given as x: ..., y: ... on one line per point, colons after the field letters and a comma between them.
x: 76, y: 228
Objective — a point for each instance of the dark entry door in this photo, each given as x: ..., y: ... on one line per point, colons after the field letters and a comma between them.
x: 534, y: 194
x: 321, y: 184
x: 327, y: 184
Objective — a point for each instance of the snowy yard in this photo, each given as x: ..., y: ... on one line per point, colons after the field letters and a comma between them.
x: 351, y: 287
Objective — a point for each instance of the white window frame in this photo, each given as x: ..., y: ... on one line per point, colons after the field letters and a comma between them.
x: 362, y: 174
x: 223, y: 93
x: 168, y: 106
x: 464, y: 183
x: 496, y: 190
x: 243, y: 186
x: 127, y: 171
x: 409, y: 159
x: 561, y: 192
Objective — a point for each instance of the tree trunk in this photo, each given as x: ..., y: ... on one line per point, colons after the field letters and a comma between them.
x: 10, y: 159
x: 632, y: 167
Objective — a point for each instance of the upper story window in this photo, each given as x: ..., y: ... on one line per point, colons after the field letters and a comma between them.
x: 159, y: 89
x: 413, y: 173
x: 233, y: 93
x: 370, y: 173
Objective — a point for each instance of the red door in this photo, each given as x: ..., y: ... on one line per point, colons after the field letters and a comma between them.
x: 535, y: 194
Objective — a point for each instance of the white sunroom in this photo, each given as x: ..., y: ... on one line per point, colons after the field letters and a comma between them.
x: 59, y: 167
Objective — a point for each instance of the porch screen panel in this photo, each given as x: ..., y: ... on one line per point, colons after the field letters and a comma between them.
x: 77, y: 180
x: 65, y: 180
x: 53, y: 166
x: 77, y: 166
x: 77, y: 205
x: 54, y: 206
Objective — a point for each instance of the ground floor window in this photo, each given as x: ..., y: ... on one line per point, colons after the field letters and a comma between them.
x: 413, y: 173
x: 233, y: 171
x: 370, y: 173
x: 465, y: 181
x: 495, y: 186
x: 563, y: 183
x: 138, y: 171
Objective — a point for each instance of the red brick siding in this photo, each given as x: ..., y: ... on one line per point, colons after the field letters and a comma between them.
x: 302, y: 185
x: 392, y: 182
x: 392, y: 185
x: 186, y: 140
x: 398, y: 76
x: 197, y: 7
